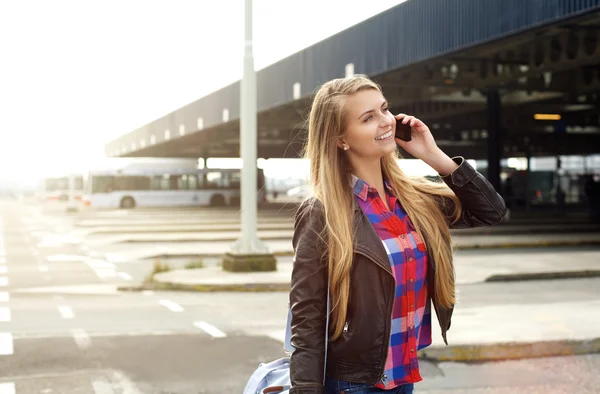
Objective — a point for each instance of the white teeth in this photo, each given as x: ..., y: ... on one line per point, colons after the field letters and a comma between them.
x: 384, y: 136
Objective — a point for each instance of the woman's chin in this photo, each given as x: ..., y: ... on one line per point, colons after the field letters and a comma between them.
x: 389, y: 148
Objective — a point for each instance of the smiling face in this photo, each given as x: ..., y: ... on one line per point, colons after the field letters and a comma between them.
x: 369, y: 127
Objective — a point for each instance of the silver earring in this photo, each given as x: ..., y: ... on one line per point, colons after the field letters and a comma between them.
x: 345, y: 147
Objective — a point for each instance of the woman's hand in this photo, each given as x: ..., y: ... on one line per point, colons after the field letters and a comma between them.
x: 423, y: 146
x: 422, y: 143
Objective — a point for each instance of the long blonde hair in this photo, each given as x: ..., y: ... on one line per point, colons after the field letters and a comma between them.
x: 329, y: 168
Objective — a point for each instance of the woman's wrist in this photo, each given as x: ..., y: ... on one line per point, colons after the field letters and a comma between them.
x: 440, y: 162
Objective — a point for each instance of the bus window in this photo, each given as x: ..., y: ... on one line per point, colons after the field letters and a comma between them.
x: 160, y: 182
x: 187, y: 182
x: 182, y: 182
x: 132, y: 183
x: 214, y: 180
x: 235, y: 179
x: 102, y: 184
x: 192, y: 182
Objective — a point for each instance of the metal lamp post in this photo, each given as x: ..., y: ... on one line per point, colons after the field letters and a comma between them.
x: 248, y: 253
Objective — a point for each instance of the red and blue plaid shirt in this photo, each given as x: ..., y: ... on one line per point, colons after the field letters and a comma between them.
x: 411, y: 315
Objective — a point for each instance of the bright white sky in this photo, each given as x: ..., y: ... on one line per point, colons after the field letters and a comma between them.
x: 77, y: 74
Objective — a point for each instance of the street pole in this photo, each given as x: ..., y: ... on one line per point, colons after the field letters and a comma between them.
x: 249, y: 242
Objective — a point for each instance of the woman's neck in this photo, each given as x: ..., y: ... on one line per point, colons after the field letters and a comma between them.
x: 371, y: 173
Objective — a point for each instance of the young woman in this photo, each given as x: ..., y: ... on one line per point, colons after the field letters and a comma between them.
x: 380, y: 239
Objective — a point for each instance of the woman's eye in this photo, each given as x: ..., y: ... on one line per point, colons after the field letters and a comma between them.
x: 385, y: 109
x: 367, y: 118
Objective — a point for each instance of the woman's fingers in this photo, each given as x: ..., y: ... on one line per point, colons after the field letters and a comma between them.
x: 407, y: 119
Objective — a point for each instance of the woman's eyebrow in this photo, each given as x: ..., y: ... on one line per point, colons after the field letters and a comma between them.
x: 371, y: 110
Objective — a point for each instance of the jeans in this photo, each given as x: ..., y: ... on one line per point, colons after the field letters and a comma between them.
x: 334, y: 386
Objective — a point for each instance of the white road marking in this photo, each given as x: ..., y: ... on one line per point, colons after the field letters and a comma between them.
x: 3, y: 269
x: 124, y: 383
x: 66, y: 312
x: 7, y: 388
x: 147, y: 292
x: 102, y: 386
x: 210, y: 329
x: 3, y: 281
x: 102, y: 268
x: 65, y: 258
x: 43, y: 268
x: 82, y: 339
x: 115, y: 258
x: 4, y: 313
x: 6, y: 344
x: 124, y: 275
x: 173, y: 306
x: 3, y: 296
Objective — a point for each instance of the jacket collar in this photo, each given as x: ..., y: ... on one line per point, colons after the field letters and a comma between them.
x: 367, y: 242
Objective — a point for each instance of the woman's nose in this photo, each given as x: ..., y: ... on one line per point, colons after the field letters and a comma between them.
x: 386, y: 122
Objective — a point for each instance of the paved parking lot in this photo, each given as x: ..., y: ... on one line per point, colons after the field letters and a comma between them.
x: 64, y: 328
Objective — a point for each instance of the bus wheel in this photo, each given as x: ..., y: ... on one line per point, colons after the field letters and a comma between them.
x: 217, y: 200
x: 127, y: 203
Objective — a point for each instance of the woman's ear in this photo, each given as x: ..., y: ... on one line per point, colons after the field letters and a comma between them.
x: 342, y: 144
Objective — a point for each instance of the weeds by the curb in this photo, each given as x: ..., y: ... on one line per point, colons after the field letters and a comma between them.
x: 193, y: 264
x: 157, y: 267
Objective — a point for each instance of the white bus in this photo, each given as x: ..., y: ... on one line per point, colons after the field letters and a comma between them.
x: 57, y: 188
x: 165, y: 183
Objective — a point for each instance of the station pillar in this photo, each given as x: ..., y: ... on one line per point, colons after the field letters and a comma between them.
x: 495, y: 138
x: 249, y: 253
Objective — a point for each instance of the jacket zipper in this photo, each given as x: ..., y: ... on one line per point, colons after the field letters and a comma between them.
x: 346, y: 327
x: 382, y: 377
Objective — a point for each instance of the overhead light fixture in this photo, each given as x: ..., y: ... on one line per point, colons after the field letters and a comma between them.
x: 546, y: 116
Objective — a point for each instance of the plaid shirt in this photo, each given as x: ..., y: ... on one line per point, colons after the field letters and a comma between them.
x: 411, y: 315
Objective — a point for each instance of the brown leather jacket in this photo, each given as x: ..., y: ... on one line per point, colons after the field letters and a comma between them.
x: 359, y: 354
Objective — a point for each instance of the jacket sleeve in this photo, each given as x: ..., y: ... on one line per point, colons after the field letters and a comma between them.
x: 481, y: 204
x: 308, y: 300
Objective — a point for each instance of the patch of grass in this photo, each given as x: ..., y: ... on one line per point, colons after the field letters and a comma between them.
x: 157, y: 267
x: 199, y: 263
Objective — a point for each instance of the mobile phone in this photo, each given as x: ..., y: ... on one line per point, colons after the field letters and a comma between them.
x: 403, y: 131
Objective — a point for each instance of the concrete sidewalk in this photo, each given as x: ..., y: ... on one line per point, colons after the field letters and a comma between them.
x: 470, y: 269
x: 213, y: 247
x: 192, y: 230
x: 492, y: 321
x: 501, y: 332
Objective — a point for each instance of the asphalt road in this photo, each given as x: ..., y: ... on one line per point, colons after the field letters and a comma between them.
x: 65, y: 329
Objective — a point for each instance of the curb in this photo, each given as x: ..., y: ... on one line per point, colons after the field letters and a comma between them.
x: 290, y: 227
x: 191, y: 240
x: 508, y: 351
x: 282, y: 253
x: 287, y: 253
x: 536, y: 244
x: 506, y: 245
x: 208, y: 288
x: 170, y: 231
x: 544, y: 276
x: 276, y: 287
x: 134, y: 288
